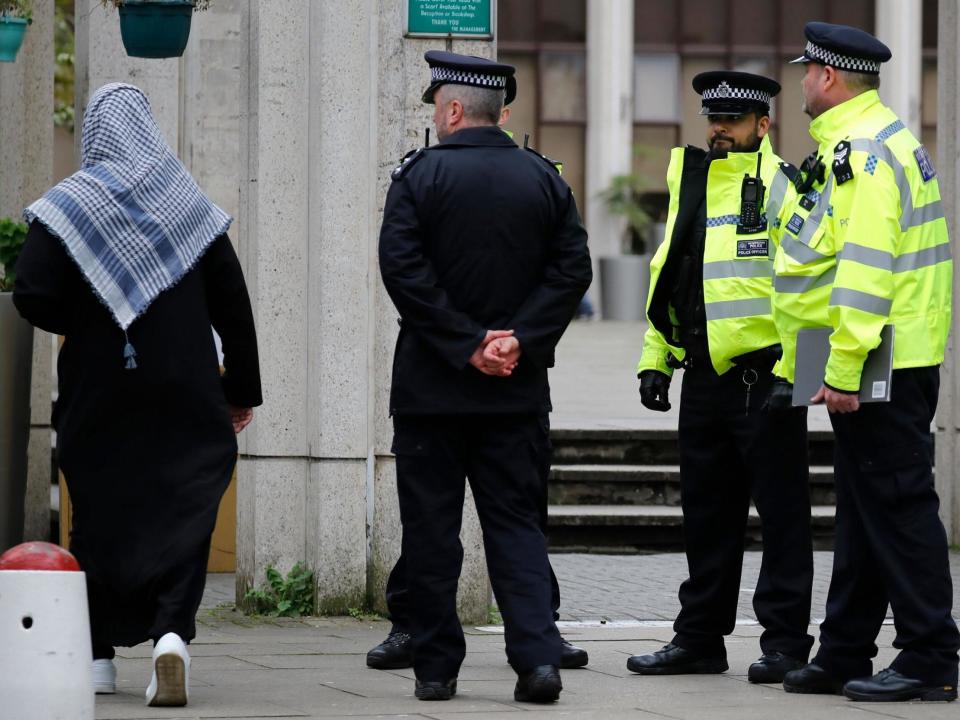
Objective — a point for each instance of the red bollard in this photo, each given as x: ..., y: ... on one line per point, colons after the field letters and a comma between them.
x: 45, y: 656
x: 38, y: 556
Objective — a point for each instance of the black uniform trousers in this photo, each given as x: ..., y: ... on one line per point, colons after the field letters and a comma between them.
x: 502, y: 457
x: 890, y: 543
x: 728, y: 455
x: 398, y: 598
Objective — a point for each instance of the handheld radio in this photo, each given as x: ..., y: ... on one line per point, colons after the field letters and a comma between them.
x: 751, y: 204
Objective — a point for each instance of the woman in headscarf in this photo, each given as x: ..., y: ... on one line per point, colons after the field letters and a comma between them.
x: 130, y: 262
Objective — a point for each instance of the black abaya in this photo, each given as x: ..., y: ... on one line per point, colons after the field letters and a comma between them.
x: 147, y: 452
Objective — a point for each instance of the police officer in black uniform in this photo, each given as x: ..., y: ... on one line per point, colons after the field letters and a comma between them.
x: 484, y: 255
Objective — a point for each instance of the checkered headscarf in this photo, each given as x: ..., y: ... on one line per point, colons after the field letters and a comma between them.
x: 132, y: 218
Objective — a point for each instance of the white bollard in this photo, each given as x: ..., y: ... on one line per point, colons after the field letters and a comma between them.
x: 45, y: 654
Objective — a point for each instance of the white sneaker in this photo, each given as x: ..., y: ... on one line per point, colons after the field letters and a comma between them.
x: 104, y: 677
x: 170, y: 684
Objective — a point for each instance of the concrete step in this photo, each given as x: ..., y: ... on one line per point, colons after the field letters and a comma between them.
x: 599, y: 484
x: 649, y: 528
x: 647, y: 447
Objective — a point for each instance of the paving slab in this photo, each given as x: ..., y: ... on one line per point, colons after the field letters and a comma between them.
x: 252, y: 680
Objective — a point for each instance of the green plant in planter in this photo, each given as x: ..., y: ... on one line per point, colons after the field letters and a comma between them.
x: 290, y: 596
x: 13, y: 235
x: 627, y: 195
x: 17, y: 8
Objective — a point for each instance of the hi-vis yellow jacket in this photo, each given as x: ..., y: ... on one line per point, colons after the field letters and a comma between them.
x: 737, y: 269
x: 866, y: 247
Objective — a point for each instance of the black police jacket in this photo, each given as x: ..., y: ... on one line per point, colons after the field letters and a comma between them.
x: 479, y: 235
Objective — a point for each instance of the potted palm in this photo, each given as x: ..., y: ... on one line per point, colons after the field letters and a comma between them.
x: 16, y: 360
x: 625, y: 278
x: 15, y: 16
x: 156, y: 28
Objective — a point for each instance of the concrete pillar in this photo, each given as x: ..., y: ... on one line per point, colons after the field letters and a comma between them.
x: 26, y: 169
x: 330, y: 103
x: 609, y: 117
x: 899, y: 25
x: 948, y: 166
x: 101, y: 59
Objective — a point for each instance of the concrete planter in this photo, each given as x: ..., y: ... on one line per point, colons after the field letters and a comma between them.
x: 16, y: 362
x: 624, y: 281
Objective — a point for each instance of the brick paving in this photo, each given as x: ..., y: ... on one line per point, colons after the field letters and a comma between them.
x: 630, y: 588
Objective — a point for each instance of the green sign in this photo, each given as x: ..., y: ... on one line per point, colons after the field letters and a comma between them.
x: 450, y: 18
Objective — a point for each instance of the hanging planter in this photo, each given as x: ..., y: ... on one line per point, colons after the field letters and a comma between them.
x: 14, y: 19
x: 156, y: 28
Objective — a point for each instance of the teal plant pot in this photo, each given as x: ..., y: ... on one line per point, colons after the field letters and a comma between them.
x: 155, y: 28
x: 12, y: 30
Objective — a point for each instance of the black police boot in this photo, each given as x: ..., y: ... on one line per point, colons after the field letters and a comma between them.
x: 435, y: 690
x: 540, y: 685
x: 890, y: 686
x: 674, y: 660
x: 812, y: 679
x: 393, y: 653
x: 771, y: 667
x: 572, y: 656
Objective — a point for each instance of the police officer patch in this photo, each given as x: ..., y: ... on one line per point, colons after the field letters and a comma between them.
x: 925, y: 164
x: 794, y: 224
x: 752, y: 248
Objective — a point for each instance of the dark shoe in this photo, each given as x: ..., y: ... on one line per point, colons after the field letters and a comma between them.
x: 393, y: 653
x: 674, y: 660
x: 572, y: 656
x: 890, y: 686
x: 432, y: 690
x: 771, y: 667
x: 812, y: 679
x: 540, y: 685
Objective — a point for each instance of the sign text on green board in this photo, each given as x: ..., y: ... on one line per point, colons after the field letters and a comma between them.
x: 450, y: 18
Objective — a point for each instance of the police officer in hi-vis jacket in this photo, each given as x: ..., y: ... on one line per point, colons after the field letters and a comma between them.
x: 865, y: 245
x: 709, y: 313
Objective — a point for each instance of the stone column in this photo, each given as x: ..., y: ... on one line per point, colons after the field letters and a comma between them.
x: 401, y: 120
x: 330, y: 102
x: 609, y: 117
x: 101, y: 59
x: 26, y: 169
x: 948, y: 166
x: 899, y: 25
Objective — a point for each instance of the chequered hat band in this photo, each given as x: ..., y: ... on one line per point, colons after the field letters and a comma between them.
x: 725, y: 92
x: 461, y: 77
x: 841, y: 62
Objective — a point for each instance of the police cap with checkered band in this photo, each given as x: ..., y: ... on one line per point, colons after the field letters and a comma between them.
x: 844, y: 48
x: 451, y: 68
x: 727, y: 92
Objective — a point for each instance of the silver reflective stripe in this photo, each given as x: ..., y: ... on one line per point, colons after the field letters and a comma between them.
x: 867, y: 256
x: 798, y: 251
x: 814, y: 219
x: 793, y: 284
x: 860, y: 301
x: 922, y: 258
x: 925, y: 214
x: 778, y: 189
x: 737, y: 308
x: 737, y: 268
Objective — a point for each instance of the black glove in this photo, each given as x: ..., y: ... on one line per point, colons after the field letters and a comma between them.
x: 780, y: 396
x: 654, y: 386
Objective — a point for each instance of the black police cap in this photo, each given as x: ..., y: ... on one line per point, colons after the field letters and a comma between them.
x: 844, y: 48
x: 728, y: 92
x: 451, y: 68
